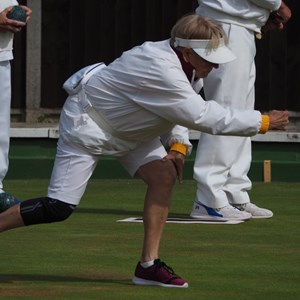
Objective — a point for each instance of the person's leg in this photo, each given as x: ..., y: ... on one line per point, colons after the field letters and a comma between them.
x: 72, y: 169
x: 6, y: 199
x: 222, y: 162
x: 238, y: 182
x: 146, y: 163
x: 71, y: 172
x: 11, y: 218
x: 160, y: 176
x: 35, y: 211
x: 5, y: 88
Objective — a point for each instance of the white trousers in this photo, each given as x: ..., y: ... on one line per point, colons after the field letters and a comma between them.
x: 222, y: 162
x: 5, y: 100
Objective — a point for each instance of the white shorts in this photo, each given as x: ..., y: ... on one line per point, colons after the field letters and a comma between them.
x: 73, y: 167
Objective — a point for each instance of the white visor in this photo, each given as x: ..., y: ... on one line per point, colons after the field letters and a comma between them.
x: 220, y: 55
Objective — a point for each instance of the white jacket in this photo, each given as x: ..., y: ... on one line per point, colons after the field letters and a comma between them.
x: 251, y: 14
x: 143, y: 95
x: 6, y: 38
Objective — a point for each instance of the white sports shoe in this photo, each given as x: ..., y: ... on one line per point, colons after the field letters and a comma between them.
x: 227, y: 213
x: 255, y: 211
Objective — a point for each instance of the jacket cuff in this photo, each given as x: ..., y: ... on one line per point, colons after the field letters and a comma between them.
x: 265, y: 122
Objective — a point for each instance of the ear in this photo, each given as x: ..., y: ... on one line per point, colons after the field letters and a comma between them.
x: 186, y: 54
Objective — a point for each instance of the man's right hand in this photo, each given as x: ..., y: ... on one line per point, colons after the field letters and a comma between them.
x: 277, y: 19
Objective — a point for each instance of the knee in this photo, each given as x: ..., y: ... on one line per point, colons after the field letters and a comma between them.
x: 158, y: 173
x: 164, y: 175
x: 45, y: 210
x: 57, y: 210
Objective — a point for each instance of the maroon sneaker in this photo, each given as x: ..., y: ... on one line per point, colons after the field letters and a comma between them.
x: 158, y: 274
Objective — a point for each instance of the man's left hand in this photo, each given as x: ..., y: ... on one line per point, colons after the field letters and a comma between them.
x: 178, y: 161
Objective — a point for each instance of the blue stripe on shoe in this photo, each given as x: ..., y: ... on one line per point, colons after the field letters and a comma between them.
x: 211, y: 211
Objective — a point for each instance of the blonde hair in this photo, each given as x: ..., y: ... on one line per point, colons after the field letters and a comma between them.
x: 198, y: 27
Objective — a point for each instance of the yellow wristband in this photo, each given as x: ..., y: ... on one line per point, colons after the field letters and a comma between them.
x: 265, y: 122
x: 179, y: 148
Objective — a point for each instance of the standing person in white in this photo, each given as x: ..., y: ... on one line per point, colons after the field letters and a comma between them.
x: 7, y: 29
x: 222, y: 163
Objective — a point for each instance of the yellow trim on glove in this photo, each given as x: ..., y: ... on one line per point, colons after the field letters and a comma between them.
x: 179, y: 148
x: 265, y: 122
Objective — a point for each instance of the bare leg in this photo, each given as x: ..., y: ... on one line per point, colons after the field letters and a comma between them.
x: 11, y: 218
x: 160, y: 177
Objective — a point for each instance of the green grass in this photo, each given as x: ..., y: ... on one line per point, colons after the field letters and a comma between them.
x: 91, y: 256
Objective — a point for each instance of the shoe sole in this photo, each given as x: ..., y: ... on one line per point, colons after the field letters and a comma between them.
x: 261, y: 217
x: 140, y: 281
x: 219, y: 219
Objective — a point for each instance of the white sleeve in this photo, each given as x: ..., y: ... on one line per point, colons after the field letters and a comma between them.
x: 7, y: 3
x: 178, y: 134
x: 178, y: 103
x: 267, y: 4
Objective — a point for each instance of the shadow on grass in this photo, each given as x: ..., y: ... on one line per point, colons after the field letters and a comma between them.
x: 104, y: 211
x: 11, y: 278
x: 121, y: 212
